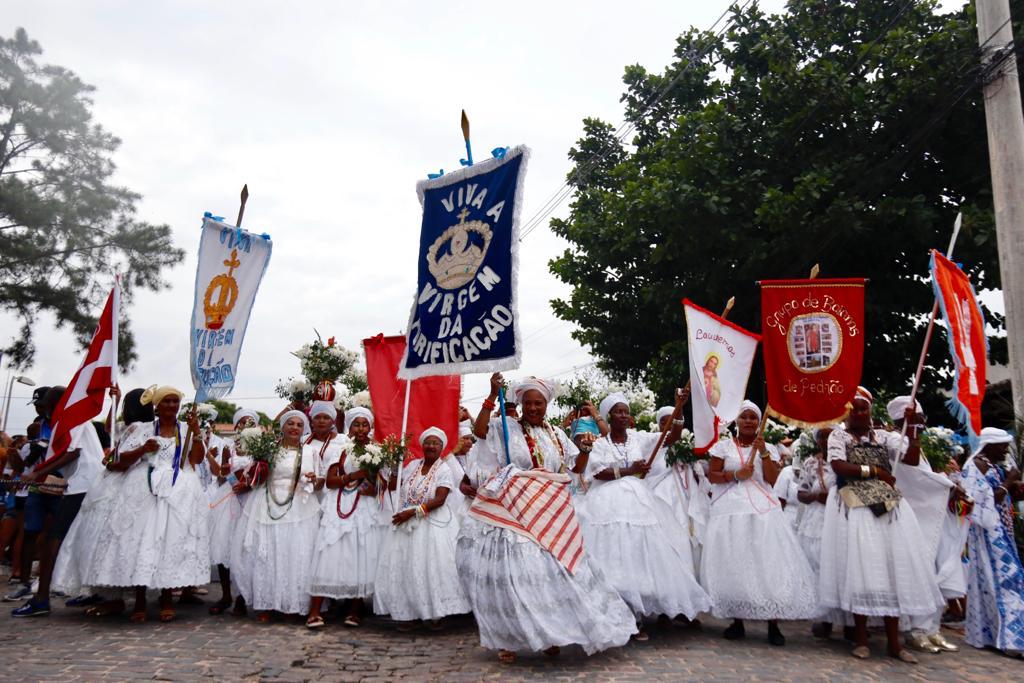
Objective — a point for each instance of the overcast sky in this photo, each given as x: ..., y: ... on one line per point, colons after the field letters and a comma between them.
x: 331, y: 111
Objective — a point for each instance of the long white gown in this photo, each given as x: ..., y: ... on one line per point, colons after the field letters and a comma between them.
x: 874, y: 566
x: 786, y: 487
x: 633, y: 536
x: 816, y: 476
x: 272, y: 551
x: 753, y: 566
x: 225, y: 505
x: 102, y: 547
x: 416, y: 576
x: 175, y: 548
x: 687, y: 492
x: 522, y: 598
x: 348, y: 540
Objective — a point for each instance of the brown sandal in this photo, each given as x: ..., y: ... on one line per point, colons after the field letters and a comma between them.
x: 506, y: 656
x: 167, y: 615
x: 138, y: 617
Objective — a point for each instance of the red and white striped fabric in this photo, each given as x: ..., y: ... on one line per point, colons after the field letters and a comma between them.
x: 535, y: 504
x: 84, y: 397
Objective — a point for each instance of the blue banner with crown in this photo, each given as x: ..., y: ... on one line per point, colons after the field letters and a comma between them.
x: 231, y: 265
x: 464, y: 317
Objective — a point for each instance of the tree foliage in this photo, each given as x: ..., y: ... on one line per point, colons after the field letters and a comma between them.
x: 65, y: 229
x: 843, y: 132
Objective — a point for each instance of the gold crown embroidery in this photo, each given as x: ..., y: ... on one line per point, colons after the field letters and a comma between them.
x: 221, y: 294
x: 454, y: 269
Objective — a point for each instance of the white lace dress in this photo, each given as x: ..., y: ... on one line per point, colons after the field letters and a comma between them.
x: 522, y: 598
x: 753, y: 566
x: 102, y: 545
x: 272, y: 550
x: 786, y: 487
x: 632, y: 535
x: 348, y: 540
x: 416, y: 576
x: 875, y: 566
x: 816, y: 476
x: 226, y: 506
x: 687, y: 492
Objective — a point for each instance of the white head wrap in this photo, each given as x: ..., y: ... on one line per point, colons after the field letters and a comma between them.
x: 749, y: 405
x: 610, y: 401
x: 465, y: 428
x: 243, y: 413
x: 546, y: 388
x: 434, y: 431
x: 989, y: 435
x: 295, y: 413
x: 323, y: 408
x: 864, y: 395
x: 352, y: 413
x: 898, y: 407
x: 663, y: 412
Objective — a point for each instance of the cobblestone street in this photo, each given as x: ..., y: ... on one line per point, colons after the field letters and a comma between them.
x: 67, y: 646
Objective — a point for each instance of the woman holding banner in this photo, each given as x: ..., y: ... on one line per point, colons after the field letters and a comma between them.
x: 523, y: 596
x: 874, y: 562
x: 752, y: 564
x: 416, y: 577
x: 630, y: 533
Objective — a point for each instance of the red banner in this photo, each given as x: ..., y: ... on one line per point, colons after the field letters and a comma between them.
x: 965, y: 327
x: 433, y: 401
x: 813, y: 336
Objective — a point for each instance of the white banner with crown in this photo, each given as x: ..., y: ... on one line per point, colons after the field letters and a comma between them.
x: 231, y: 266
x: 464, y: 316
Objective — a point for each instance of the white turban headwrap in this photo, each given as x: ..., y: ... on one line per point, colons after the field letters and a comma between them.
x: 323, y: 408
x: 155, y: 394
x: 663, y: 412
x: 546, y: 389
x: 465, y: 428
x: 898, y: 407
x: 989, y: 435
x: 352, y: 413
x: 749, y: 405
x: 864, y: 395
x: 243, y: 413
x: 434, y: 431
x: 610, y: 401
x: 295, y: 413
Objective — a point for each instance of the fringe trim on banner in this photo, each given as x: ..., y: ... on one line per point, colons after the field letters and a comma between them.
x: 499, y: 364
x: 809, y: 425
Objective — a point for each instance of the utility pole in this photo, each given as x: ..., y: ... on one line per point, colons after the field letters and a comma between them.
x: 1005, y: 123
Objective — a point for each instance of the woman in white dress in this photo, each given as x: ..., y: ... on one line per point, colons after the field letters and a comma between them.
x: 272, y: 551
x: 226, y: 509
x: 522, y: 596
x: 873, y: 559
x: 752, y: 565
x: 416, y: 577
x: 631, y: 533
x: 175, y: 546
x: 816, y: 480
x: 345, y: 560
x: 102, y: 546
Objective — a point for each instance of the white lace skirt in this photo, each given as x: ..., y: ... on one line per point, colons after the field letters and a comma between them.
x: 754, y: 568
x: 876, y: 566
x: 523, y: 599
x: 175, y: 548
x: 78, y: 548
x: 416, y: 576
x: 347, y: 550
x: 225, y: 513
x: 271, y: 562
x: 641, y: 549
x: 809, y: 534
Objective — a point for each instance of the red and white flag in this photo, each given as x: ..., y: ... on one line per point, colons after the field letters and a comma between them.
x: 84, y: 397
x: 721, y: 354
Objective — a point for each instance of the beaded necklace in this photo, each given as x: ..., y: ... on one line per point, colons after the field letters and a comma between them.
x: 420, y: 485
x: 323, y: 449
x: 536, y: 454
x: 291, y: 494
x: 622, y: 450
x: 342, y: 489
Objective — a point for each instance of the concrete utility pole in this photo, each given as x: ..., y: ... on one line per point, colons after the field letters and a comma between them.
x: 1005, y: 123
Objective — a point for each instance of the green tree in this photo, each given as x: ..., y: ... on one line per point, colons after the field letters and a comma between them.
x: 65, y: 229
x: 841, y: 132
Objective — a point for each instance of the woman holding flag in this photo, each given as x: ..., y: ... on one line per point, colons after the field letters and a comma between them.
x: 752, y: 564
x: 175, y: 548
x: 523, y: 596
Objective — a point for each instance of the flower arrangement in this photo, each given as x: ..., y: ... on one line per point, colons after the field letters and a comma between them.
x: 294, y: 390
x: 361, y: 399
x: 805, y: 447
x: 775, y: 432
x: 374, y: 457
x: 206, y: 412
x: 262, y: 447
x: 681, y: 452
x: 324, y: 362
x: 938, y: 446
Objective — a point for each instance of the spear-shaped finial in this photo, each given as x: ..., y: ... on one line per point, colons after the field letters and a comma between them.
x: 814, y: 271
x: 465, y: 136
x: 243, y: 198
x: 728, y: 306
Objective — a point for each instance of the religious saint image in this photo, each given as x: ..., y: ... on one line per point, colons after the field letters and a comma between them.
x: 712, y: 389
x: 814, y: 342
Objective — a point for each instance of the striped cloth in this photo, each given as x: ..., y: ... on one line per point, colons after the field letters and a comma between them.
x: 535, y: 504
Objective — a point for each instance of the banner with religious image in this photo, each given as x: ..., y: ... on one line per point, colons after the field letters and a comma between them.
x: 968, y: 345
x: 721, y: 354
x: 231, y: 265
x: 464, y: 317
x: 813, y: 334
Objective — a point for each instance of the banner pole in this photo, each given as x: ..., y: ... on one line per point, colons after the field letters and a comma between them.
x: 679, y: 407
x: 116, y: 313
x: 504, y: 424
x: 931, y: 323
x: 405, y: 425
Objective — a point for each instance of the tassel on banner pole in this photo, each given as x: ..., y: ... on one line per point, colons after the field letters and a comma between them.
x: 679, y: 406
